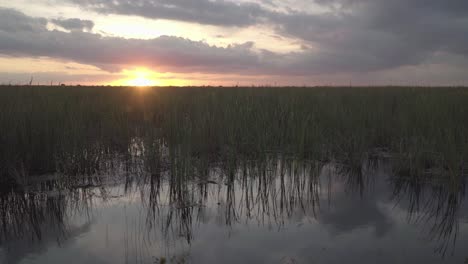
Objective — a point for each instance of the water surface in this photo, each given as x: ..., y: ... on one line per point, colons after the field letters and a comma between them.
x: 276, y: 210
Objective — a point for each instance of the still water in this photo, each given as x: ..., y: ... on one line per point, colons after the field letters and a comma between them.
x: 273, y: 210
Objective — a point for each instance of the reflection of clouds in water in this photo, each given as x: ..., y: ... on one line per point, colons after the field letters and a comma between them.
x: 344, y: 210
x: 312, y: 243
x: 355, y: 220
x: 2, y: 256
x: 16, y: 251
x: 349, y: 214
x: 433, y: 205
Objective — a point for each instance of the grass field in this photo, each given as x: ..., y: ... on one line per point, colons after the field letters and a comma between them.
x: 70, y: 129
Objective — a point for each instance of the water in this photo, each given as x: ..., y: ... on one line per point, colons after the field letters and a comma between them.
x: 274, y: 210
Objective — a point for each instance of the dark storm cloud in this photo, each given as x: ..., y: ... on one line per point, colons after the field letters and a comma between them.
x: 112, y: 53
x: 12, y: 21
x: 353, y: 36
x: 74, y: 24
x: 222, y: 13
x: 364, y: 35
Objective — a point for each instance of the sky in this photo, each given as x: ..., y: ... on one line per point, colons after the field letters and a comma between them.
x: 234, y: 42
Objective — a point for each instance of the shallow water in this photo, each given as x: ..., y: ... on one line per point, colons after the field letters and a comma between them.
x: 270, y: 211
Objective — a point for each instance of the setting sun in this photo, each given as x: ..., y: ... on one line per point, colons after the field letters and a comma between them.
x: 140, y: 82
x: 139, y: 77
x: 144, y: 77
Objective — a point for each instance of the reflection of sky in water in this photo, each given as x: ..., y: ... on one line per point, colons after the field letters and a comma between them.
x: 350, y: 223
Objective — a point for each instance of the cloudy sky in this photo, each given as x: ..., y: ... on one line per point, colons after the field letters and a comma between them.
x: 229, y: 42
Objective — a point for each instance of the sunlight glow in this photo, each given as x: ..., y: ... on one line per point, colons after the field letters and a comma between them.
x: 144, y: 77
x: 140, y: 82
x: 140, y: 77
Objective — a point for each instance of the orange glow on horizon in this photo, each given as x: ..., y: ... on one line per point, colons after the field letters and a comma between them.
x: 143, y: 77
x: 139, y: 77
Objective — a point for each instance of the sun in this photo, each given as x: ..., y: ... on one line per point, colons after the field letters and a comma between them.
x: 140, y: 77
x: 144, y: 77
x: 141, y: 81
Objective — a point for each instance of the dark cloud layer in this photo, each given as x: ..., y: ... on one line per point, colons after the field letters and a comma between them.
x: 12, y: 21
x: 29, y: 37
x: 223, y: 13
x: 363, y: 35
x: 354, y: 36
x: 74, y: 24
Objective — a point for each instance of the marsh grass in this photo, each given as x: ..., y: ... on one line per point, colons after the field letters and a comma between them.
x: 71, y: 129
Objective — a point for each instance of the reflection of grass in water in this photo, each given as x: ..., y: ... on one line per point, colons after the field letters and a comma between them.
x: 268, y: 191
x: 433, y: 202
x: 172, y: 260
